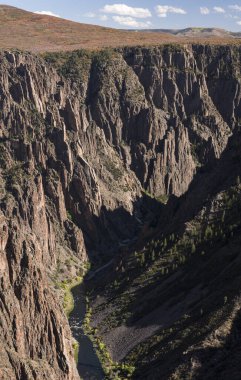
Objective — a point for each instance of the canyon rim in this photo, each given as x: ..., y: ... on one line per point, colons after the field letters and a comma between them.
x: 120, y: 200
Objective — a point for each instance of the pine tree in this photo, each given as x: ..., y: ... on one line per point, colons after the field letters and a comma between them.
x: 208, y: 232
x: 193, y: 249
x: 223, y: 217
x: 238, y: 180
x: 142, y: 260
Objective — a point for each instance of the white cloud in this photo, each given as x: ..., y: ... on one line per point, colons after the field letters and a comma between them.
x: 239, y: 22
x: 90, y: 14
x: 204, y: 10
x: 235, y: 7
x: 103, y: 18
x: 232, y: 16
x: 47, y: 13
x: 163, y: 10
x: 131, y: 22
x: 218, y: 10
x: 125, y: 10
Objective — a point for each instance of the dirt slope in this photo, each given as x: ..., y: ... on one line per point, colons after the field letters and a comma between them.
x: 29, y: 31
x: 38, y: 33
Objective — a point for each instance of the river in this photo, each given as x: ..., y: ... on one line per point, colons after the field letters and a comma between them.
x: 89, y: 366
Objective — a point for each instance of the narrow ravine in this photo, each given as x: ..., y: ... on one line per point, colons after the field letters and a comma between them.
x: 89, y: 366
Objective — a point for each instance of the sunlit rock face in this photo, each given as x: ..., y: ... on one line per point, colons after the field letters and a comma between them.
x: 75, y: 155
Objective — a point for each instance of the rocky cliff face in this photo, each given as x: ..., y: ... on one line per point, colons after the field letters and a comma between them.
x: 174, y: 300
x: 163, y: 104
x: 77, y: 145
x: 160, y: 108
x: 59, y: 179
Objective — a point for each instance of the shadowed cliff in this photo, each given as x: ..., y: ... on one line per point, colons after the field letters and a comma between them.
x: 91, y: 147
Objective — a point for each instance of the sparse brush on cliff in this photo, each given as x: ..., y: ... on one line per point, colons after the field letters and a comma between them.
x: 82, y: 134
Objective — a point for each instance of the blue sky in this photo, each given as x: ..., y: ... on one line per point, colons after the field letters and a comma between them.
x: 142, y: 13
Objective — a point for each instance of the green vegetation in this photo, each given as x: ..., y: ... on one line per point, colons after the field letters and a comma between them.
x: 112, y: 370
x: 172, y: 341
x: 162, y: 198
x: 67, y: 286
x: 16, y: 175
x: 37, y: 123
x: 70, y: 215
x: 195, y: 152
x: 76, y: 65
x: 116, y: 172
x: 75, y: 347
x: 3, y: 155
x: 103, y: 57
x: 188, y: 252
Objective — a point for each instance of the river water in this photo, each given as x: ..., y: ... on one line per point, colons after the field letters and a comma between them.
x: 89, y: 366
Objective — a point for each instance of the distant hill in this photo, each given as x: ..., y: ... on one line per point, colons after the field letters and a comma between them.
x: 38, y: 33
x: 34, y: 32
x: 197, y: 32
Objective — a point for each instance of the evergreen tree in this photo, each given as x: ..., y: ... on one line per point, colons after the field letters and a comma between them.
x: 142, y: 260
x: 223, y: 217
x: 193, y: 248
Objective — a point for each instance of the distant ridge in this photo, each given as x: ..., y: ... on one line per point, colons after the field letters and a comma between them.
x: 197, y: 32
x: 20, y: 29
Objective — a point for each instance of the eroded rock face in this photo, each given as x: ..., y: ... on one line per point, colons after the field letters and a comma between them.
x: 162, y: 107
x: 74, y: 156
x: 3, y: 233
x: 36, y: 341
x: 60, y: 184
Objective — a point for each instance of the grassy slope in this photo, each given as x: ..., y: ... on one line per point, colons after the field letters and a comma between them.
x: 28, y: 31
x: 39, y: 33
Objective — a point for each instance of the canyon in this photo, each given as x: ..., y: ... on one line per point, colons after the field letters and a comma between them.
x: 128, y: 159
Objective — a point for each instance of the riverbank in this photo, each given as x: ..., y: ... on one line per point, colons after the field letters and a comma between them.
x: 68, y: 304
x: 67, y: 286
x: 112, y: 370
x: 91, y: 354
x: 88, y: 363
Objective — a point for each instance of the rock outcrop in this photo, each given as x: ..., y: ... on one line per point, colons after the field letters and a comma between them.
x: 60, y: 183
x: 77, y: 146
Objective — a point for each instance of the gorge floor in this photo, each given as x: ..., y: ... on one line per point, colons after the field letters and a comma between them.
x: 88, y: 364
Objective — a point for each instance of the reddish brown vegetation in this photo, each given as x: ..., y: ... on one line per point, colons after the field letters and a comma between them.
x: 28, y: 31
